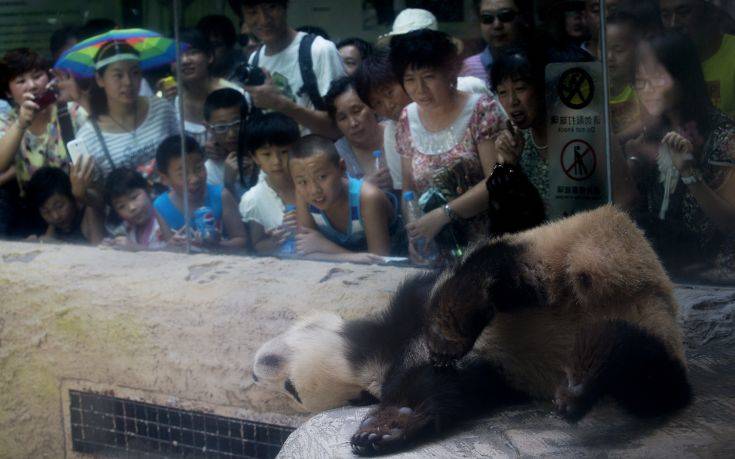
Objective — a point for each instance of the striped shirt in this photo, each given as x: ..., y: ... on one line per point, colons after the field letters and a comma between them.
x: 135, y: 149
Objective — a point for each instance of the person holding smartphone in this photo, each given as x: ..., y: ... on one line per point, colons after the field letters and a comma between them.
x: 30, y: 135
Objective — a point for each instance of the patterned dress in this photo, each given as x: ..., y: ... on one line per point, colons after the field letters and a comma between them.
x: 36, y: 151
x: 685, y: 232
x: 448, y: 160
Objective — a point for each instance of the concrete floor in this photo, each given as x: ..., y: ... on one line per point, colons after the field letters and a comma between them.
x: 705, y: 429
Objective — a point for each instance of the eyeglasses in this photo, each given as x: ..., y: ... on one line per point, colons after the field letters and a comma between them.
x: 503, y: 16
x: 641, y: 84
x: 223, y: 128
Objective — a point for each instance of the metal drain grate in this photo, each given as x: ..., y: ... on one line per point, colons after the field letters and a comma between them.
x: 126, y: 428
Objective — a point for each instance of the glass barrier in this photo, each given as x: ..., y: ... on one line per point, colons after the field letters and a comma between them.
x: 624, y: 101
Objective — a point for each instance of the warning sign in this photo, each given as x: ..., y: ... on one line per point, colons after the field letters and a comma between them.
x: 576, y: 135
x: 578, y: 160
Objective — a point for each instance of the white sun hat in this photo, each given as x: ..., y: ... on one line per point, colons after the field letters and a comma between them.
x: 412, y: 19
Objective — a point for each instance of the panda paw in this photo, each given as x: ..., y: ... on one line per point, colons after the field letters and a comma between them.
x: 445, y: 350
x: 572, y: 401
x: 387, y: 429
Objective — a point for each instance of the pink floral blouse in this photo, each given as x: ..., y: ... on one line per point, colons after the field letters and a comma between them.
x: 433, y: 152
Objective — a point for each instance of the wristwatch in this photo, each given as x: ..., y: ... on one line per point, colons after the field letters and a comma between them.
x: 449, y: 212
x: 692, y: 178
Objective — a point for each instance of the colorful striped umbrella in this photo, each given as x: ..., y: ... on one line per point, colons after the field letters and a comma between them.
x: 155, y: 50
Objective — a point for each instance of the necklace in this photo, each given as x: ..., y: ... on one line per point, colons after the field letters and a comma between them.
x: 537, y: 146
x: 135, y: 121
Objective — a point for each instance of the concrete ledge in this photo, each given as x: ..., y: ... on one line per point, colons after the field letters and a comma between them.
x: 162, y: 328
x: 705, y: 429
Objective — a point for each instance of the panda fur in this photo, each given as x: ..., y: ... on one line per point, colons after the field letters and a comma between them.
x: 569, y: 312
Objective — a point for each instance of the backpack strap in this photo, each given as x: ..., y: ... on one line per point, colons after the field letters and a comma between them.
x: 306, y: 65
x: 65, y: 125
x: 256, y: 56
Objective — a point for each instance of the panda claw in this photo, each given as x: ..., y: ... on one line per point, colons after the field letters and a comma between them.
x: 405, y: 411
x: 372, y: 437
x: 395, y: 432
x: 368, y: 421
x: 388, y: 437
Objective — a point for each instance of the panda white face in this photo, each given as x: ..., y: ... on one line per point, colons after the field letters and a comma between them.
x: 307, y: 363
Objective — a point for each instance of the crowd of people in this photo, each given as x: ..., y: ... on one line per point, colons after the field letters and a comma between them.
x: 297, y: 146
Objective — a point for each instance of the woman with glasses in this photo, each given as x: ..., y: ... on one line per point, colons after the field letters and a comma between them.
x: 445, y: 137
x: 686, y: 157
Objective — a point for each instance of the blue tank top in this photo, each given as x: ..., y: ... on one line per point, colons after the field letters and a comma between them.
x: 175, y: 219
x: 354, y: 238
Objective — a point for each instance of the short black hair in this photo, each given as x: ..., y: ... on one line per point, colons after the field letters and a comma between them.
x: 421, y: 49
x: 196, y: 40
x: 365, y: 48
x: 46, y: 182
x: 94, y: 27
x: 272, y: 128
x: 236, y: 5
x: 60, y: 37
x: 170, y: 149
x: 517, y: 63
x: 312, y: 145
x: 121, y: 181
x: 314, y: 30
x: 17, y: 62
x: 375, y: 72
x: 225, y: 98
x: 217, y: 24
x: 337, y: 88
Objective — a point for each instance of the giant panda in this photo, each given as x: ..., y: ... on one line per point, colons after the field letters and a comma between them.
x: 570, y: 312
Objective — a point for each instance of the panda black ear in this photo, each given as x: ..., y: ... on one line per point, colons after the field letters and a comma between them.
x: 291, y: 389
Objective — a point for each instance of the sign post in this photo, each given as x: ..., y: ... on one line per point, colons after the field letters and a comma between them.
x: 578, y: 170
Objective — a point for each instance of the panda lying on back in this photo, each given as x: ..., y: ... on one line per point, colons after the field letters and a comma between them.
x: 571, y: 311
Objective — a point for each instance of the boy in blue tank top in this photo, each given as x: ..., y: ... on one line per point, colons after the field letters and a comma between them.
x: 170, y: 205
x: 340, y: 218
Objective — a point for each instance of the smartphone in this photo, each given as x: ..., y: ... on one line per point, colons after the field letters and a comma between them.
x: 77, y: 149
x: 45, y: 99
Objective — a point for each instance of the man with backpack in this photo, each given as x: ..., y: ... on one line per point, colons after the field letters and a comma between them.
x: 299, y: 67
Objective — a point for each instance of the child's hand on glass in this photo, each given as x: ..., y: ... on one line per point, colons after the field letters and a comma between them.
x: 80, y: 175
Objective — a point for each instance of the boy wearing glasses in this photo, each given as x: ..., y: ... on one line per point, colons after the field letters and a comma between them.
x: 225, y: 110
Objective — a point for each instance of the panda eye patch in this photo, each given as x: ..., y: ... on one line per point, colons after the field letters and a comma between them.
x: 288, y: 385
x: 271, y: 360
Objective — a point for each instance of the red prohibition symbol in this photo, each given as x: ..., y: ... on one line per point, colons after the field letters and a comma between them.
x: 578, y: 160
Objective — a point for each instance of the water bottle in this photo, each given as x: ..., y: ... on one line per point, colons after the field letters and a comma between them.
x: 414, y: 213
x: 378, y: 163
x: 289, y: 247
x: 205, y: 225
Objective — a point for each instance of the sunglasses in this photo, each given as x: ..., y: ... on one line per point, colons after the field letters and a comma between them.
x: 503, y: 16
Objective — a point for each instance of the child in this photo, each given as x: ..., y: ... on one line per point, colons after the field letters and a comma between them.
x: 50, y: 193
x: 224, y: 112
x: 623, y: 36
x: 340, y: 218
x: 127, y: 193
x: 263, y: 207
x: 170, y: 205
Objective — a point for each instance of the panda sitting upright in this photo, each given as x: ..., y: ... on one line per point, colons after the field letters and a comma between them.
x: 570, y: 312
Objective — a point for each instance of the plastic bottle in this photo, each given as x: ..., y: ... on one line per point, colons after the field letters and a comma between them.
x: 289, y: 247
x: 414, y: 213
x: 378, y: 163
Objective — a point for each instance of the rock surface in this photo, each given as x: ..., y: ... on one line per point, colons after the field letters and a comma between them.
x: 705, y: 429
x: 164, y: 328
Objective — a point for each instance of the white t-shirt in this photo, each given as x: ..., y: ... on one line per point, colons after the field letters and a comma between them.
x: 392, y: 158
x: 286, y: 73
x: 262, y: 205
x: 135, y: 149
